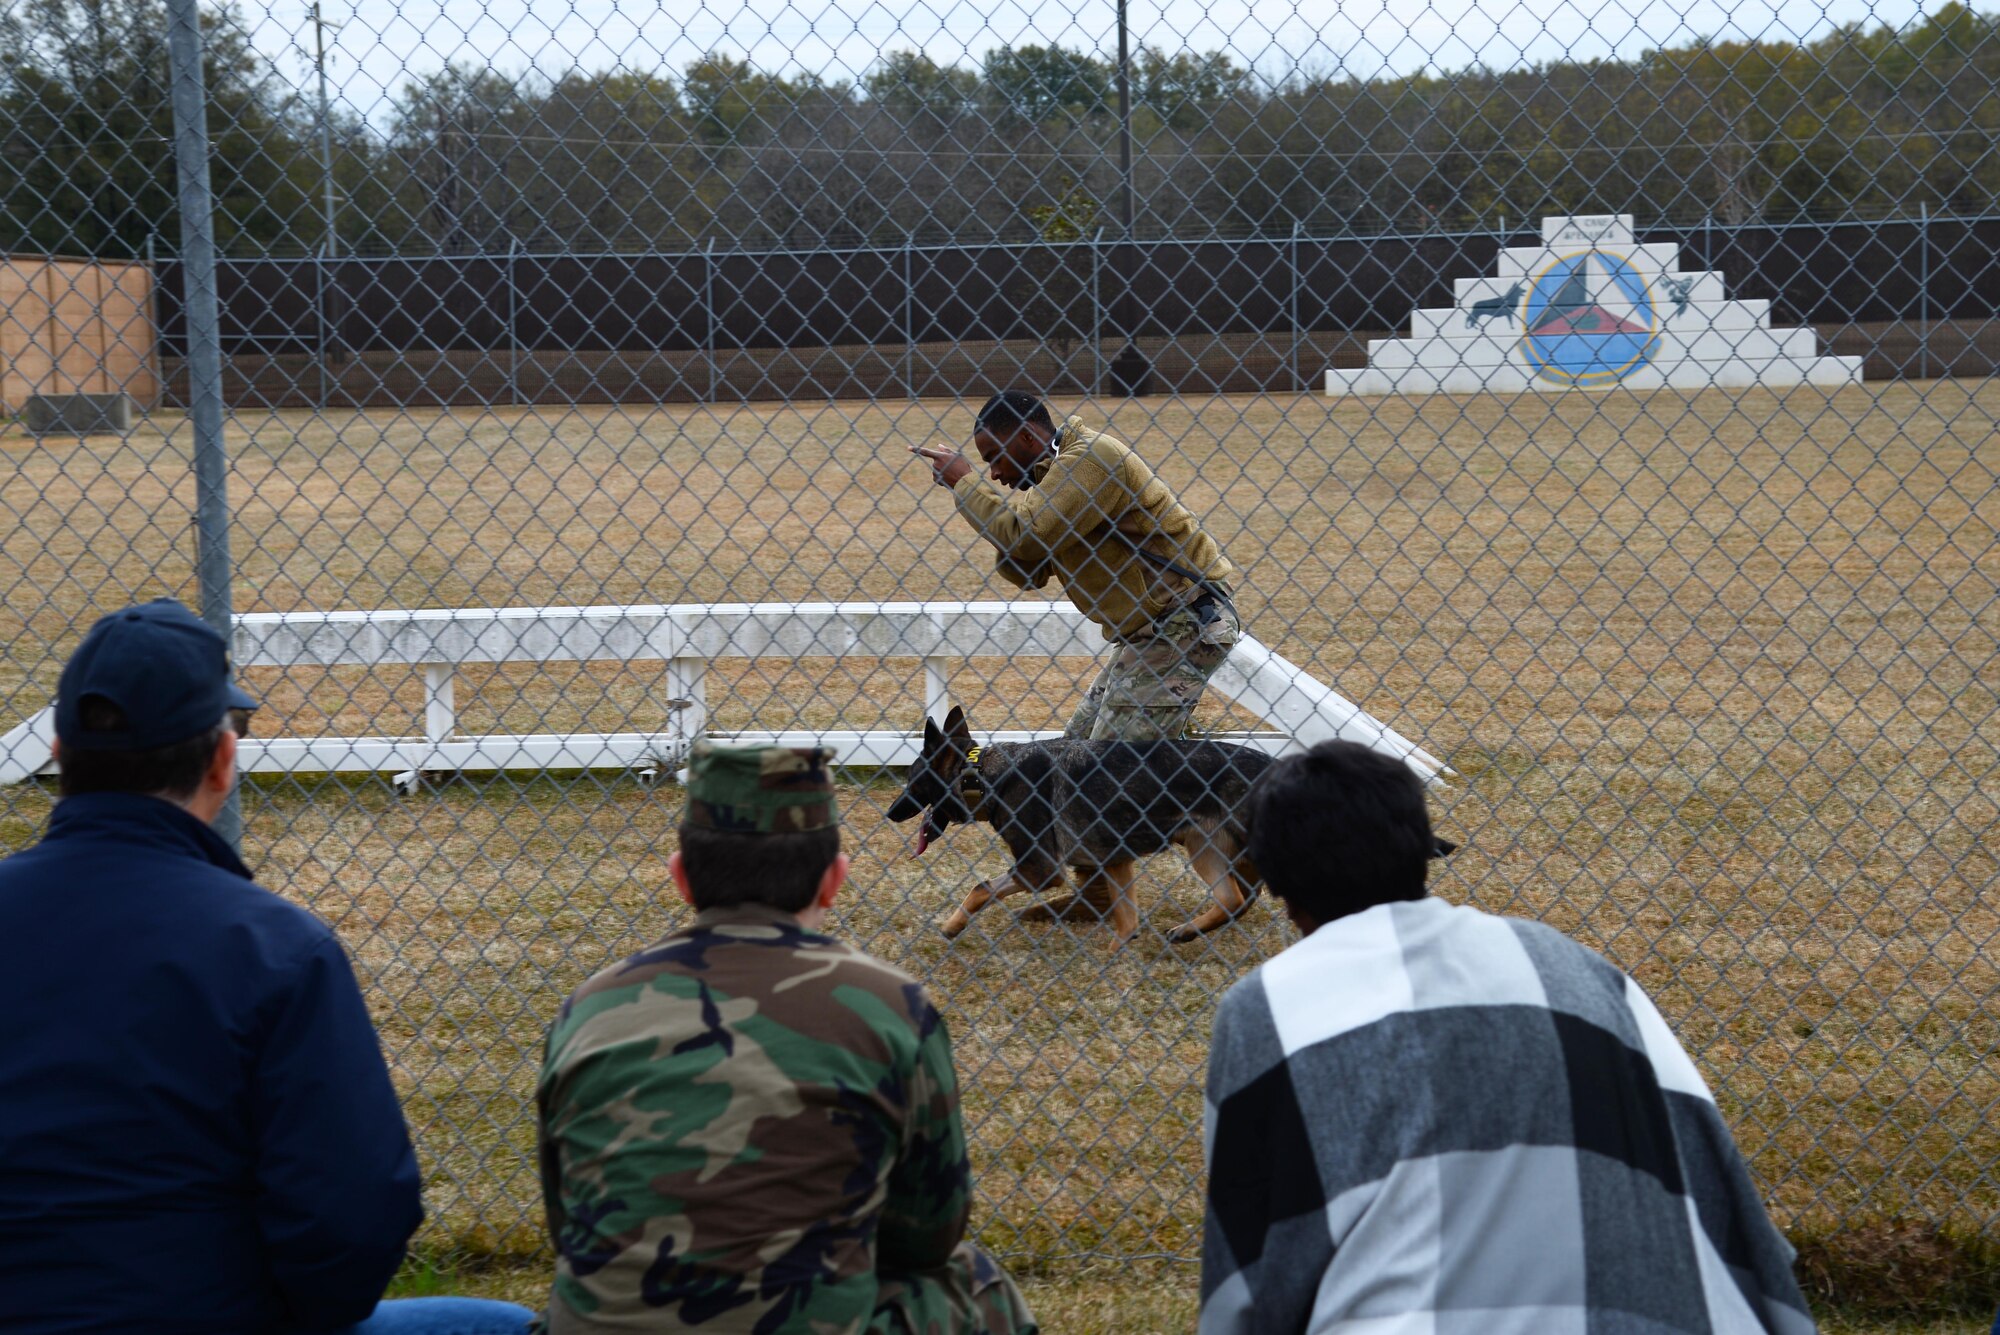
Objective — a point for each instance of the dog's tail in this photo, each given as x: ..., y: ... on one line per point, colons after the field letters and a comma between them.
x: 1253, y: 766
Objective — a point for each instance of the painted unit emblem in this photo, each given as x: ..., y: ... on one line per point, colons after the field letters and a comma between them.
x: 1589, y: 319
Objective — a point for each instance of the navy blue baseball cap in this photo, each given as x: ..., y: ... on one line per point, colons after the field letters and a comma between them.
x: 165, y: 669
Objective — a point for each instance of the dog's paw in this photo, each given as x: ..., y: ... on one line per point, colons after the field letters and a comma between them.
x: 1183, y: 934
x: 955, y: 924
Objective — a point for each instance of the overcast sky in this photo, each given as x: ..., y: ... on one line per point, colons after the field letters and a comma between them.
x: 381, y: 42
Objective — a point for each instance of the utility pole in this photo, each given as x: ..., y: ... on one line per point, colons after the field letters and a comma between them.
x: 1124, y: 121
x: 325, y: 125
x: 328, y: 208
x: 1130, y: 372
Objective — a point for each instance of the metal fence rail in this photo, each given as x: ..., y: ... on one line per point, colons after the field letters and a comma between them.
x: 534, y: 314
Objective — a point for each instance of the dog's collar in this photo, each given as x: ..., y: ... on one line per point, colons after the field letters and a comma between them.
x: 970, y: 783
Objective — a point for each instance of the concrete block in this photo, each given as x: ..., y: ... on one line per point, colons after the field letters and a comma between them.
x: 1652, y: 261
x: 79, y: 414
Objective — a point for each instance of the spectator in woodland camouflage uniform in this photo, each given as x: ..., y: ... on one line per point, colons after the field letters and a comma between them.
x: 1077, y: 504
x: 750, y: 1126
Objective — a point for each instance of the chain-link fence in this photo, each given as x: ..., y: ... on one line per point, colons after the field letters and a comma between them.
x: 1601, y: 400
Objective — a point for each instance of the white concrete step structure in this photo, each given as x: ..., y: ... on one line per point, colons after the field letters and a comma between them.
x: 686, y: 638
x: 1590, y: 308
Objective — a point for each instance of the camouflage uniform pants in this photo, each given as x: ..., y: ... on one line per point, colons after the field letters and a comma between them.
x: 970, y: 1295
x: 1152, y: 684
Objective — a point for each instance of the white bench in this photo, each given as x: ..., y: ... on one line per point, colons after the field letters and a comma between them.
x: 687, y: 638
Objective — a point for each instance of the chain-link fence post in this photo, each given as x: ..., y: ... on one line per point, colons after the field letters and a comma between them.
x: 1297, y: 308
x: 514, y: 322
x: 1924, y: 290
x: 710, y: 332
x: 1097, y: 310
x: 204, y: 335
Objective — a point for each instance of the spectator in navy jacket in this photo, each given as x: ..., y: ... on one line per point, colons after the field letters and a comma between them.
x: 197, y: 1131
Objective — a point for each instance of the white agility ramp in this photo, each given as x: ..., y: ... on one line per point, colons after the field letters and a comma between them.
x: 1590, y: 308
x: 687, y: 639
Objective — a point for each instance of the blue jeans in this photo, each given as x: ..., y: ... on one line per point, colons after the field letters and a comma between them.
x: 444, y: 1316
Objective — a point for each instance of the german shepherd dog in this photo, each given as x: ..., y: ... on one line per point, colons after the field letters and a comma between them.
x: 1097, y: 807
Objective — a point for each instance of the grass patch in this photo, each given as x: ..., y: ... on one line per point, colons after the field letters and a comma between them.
x: 1716, y: 670
x: 1143, y: 1299
x: 1884, y: 1269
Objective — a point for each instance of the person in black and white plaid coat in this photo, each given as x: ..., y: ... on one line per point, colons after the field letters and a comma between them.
x: 1426, y: 1120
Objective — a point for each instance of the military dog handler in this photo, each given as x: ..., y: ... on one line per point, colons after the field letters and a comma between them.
x: 1081, y: 506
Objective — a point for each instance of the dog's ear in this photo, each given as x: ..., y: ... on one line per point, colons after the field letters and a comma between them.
x: 933, y: 739
x: 957, y: 730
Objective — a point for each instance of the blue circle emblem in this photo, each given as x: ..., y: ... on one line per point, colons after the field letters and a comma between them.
x: 1589, y: 320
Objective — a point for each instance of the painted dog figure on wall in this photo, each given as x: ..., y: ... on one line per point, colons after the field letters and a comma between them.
x: 1679, y: 289
x: 1495, y: 308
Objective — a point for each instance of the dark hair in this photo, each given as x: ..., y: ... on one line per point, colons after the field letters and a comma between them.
x: 782, y: 871
x: 1009, y: 410
x: 1340, y: 829
x: 173, y: 771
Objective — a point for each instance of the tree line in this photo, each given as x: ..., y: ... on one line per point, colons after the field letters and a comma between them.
x: 1859, y: 123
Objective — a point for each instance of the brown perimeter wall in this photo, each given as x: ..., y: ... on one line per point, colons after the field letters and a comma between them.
x: 75, y: 327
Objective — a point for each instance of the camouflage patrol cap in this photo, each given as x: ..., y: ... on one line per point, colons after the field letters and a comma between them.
x: 760, y: 789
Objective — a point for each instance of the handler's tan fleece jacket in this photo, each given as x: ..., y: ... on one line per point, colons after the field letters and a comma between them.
x: 1064, y: 524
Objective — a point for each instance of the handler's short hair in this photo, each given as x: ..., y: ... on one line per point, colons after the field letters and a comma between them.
x: 173, y: 771
x: 1011, y: 409
x: 726, y: 868
x: 1340, y: 829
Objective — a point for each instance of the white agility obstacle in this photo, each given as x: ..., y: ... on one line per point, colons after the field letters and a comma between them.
x: 687, y: 639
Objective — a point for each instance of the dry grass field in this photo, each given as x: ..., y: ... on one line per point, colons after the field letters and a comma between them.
x: 1717, y: 673
x: 1131, y: 1300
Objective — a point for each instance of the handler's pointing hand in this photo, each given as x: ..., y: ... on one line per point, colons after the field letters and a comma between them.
x: 947, y: 464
